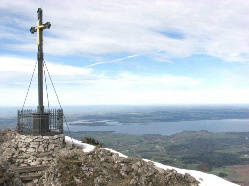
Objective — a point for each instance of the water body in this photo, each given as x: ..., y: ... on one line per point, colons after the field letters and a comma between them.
x: 168, y: 128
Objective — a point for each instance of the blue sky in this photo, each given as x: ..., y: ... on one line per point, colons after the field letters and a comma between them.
x: 128, y: 52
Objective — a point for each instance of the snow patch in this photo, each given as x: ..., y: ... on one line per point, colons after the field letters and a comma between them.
x: 85, y: 147
x: 120, y: 154
x: 205, y: 179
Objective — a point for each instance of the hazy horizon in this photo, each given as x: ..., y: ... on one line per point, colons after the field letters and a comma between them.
x: 122, y: 108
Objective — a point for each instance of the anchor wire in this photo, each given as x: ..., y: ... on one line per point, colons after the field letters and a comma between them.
x: 44, y: 70
x: 29, y: 86
x: 58, y: 101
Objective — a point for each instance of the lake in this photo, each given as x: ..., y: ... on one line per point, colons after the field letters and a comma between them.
x: 168, y: 128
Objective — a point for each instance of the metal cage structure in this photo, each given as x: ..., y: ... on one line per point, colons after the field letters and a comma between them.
x: 31, y: 122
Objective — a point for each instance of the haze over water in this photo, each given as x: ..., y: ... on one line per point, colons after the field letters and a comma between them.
x: 221, y: 118
x: 168, y: 128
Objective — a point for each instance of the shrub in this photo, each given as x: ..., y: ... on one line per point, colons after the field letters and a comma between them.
x: 92, y: 141
x: 222, y: 174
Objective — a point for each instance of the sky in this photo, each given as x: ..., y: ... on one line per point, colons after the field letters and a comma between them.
x: 127, y: 52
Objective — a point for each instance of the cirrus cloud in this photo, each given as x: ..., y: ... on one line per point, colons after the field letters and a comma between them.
x: 100, y: 27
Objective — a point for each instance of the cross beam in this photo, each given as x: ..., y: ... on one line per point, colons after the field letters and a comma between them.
x: 39, y: 29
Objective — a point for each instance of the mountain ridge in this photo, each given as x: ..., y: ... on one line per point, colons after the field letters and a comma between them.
x: 80, y: 164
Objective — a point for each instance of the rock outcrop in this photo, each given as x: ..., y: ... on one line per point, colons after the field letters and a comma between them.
x: 71, y: 166
x: 102, y: 167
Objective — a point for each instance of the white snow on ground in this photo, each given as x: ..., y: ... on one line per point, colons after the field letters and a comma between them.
x: 204, y: 178
x: 85, y: 147
x: 208, y: 179
x: 120, y: 154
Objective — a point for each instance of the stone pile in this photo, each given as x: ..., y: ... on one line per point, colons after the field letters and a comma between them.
x: 68, y: 165
x: 24, y: 150
x: 38, y: 144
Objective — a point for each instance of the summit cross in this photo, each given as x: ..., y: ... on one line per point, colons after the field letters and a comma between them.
x: 39, y: 29
x: 40, y: 122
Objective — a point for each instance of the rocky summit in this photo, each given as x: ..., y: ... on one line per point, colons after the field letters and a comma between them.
x: 69, y: 165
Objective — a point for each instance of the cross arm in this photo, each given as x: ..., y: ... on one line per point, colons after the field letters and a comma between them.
x: 43, y: 26
x: 47, y: 25
x: 32, y: 30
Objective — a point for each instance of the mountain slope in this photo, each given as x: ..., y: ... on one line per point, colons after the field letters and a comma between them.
x: 204, y: 178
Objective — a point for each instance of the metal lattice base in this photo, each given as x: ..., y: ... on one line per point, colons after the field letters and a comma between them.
x: 48, y: 123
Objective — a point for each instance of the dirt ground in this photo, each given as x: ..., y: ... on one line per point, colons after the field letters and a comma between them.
x: 243, y: 171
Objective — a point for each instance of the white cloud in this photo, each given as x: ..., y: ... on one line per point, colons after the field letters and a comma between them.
x: 98, y: 27
x: 81, y: 86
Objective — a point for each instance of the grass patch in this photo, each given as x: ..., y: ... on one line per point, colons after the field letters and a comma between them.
x: 234, y: 150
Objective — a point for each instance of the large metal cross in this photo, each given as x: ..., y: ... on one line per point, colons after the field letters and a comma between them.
x: 39, y: 29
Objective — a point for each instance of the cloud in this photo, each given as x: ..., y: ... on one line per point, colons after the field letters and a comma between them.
x: 161, y: 30
x: 79, y: 83
x: 18, y: 71
x: 82, y: 86
x: 117, y: 60
x: 102, y: 27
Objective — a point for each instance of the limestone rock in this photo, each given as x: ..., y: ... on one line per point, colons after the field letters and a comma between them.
x: 41, y: 148
x: 101, y: 167
x: 35, y: 163
x: 72, y: 166
x: 30, y: 150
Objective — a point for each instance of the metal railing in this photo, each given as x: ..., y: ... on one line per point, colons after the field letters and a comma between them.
x: 27, y: 122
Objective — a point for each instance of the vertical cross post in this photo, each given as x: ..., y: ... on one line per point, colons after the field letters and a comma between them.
x: 40, y: 108
x: 39, y: 29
